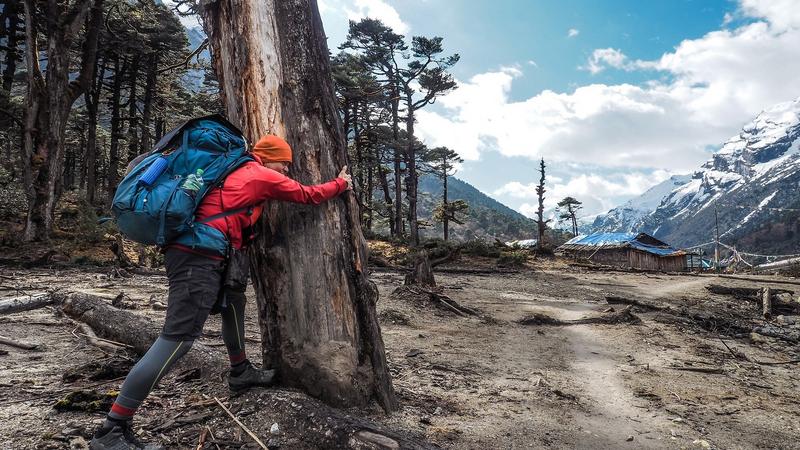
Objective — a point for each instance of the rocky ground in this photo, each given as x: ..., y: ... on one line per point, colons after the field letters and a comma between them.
x: 687, y: 374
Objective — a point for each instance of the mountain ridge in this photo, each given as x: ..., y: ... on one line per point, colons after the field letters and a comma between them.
x: 749, y: 187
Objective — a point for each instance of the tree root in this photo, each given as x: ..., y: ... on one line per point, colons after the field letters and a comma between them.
x: 435, y: 296
x: 624, y: 316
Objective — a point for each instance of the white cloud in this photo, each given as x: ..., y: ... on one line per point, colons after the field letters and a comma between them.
x: 781, y: 14
x: 573, y: 32
x: 192, y: 21
x: 727, y: 19
x: 603, y: 58
x: 597, y: 192
x: 532, y: 63
x: 700, y: 95
x: 378, y: 9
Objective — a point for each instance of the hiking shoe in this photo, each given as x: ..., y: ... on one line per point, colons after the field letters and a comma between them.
x: 120, y: 437
x: 251, y: 377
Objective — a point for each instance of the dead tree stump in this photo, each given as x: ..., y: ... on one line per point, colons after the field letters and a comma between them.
x: 422, y: 273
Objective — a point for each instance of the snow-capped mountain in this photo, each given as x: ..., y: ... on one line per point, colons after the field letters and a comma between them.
x: 753, y: 180
x: 631, y: 214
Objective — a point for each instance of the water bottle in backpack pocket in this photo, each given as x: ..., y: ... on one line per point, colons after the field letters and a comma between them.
x: 155, y: 203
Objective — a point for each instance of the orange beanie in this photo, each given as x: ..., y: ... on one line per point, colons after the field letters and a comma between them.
x: 271, y: 148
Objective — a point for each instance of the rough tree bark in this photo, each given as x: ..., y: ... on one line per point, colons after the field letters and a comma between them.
x: 92, y: 99
x: 316, y: 304
x: 411, y: 164
x: 49, y: 99
x: 112, y: 175
x: 149, y: 97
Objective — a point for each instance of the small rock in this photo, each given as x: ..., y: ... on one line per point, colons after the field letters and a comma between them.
x: 437, y: 411
x: 275, y: 430
x: 158, y: 306
x: 630, y: 438
x: 273, y: 443
x: 71, y: 431
x: 425, y: 419
x: 414, y: 352
x: 790, y: 320
x: 701, y: 443
x: 678, y: 420
x: 608, y: 310
x: 78, y: 443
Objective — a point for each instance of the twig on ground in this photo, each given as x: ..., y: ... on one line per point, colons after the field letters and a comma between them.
x: 18, y: 344
x: 211, y: 433
x: 698, y: 369
x: 90, y: 335
x: 238, y: 422
x: 735, y: 355
x: 202, y: 439
x: 59, y: 392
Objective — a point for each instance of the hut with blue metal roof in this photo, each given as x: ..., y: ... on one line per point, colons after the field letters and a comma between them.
x: 632, y: 250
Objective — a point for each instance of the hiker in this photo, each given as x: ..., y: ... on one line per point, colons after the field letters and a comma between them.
x: 203, y: 283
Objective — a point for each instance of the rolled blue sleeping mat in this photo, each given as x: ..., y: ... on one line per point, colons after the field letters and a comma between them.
x: 152, y: 173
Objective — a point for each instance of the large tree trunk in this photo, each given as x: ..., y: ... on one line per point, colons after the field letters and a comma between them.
x: 50, y: 98
x: 446, y: 215
x: 397, y: 228
x: 316, y: 304
x: 92, y: 98
x: 147, y: 108
x: 133, y: 120
x: 112, y: 175
x: 11, y: 14
x: 411, y: 163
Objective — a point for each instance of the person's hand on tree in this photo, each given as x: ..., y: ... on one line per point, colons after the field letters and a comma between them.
x: 346, y: 177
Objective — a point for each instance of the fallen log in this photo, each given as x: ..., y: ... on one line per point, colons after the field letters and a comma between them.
x: 25, y: 303
x: 624, y: 316
x: 740, y: 292
x: 647, y: 306
x: 136, y: 331
x: 757, y: 296
x: 307, y: 421
x: 476, y: 271
x: 759, y: 279
x: 18, y: 344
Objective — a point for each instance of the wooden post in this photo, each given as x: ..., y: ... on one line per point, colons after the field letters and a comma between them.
x: 767, y: 302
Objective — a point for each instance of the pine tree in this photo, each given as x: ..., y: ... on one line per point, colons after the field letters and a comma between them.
x: 541, y: 223
x: 568, y: 209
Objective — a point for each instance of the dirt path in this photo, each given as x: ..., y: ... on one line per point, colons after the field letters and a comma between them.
x: 471, y: 383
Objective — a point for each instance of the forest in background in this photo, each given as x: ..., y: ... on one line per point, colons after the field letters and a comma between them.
x: 83, y: 95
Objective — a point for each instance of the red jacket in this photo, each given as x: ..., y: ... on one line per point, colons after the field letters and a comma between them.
x: 249, y: 186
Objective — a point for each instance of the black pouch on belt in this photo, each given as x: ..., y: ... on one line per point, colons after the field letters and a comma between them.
x: 237, y: 270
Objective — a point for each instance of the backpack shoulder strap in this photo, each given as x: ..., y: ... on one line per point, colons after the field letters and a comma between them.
x: 230, y: 212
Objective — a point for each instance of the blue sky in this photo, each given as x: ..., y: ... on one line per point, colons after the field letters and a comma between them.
x: 616, y: 95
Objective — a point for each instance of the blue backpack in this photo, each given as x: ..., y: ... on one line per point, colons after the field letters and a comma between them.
x: 155, y: 203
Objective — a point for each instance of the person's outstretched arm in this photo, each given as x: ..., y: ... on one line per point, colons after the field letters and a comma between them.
x: 265, y: 184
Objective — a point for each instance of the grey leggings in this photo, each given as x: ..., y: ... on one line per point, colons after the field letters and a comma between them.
x: 164, y: 352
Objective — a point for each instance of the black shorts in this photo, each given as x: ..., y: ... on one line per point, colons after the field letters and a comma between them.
x: 194, y: 287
